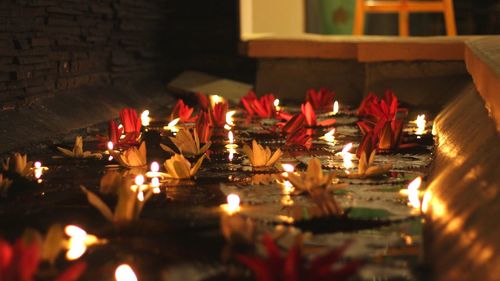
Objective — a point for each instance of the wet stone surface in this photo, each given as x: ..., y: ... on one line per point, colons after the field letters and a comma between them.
x: 178, y: 234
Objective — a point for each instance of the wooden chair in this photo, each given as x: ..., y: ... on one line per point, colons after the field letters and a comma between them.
x: 404, y: 8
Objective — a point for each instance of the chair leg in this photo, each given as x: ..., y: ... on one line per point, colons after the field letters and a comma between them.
x: 449, y: 18
x: 404, y: 28
x: 359, y: 18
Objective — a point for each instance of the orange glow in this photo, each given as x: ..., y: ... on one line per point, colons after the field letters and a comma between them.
x: 78, y: 241
x: 233, y: 204
x: 414, y: 193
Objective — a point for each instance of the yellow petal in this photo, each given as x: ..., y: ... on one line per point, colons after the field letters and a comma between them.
x: 276, y: 156
x: 98, y: 203
x: 66, y: 152
x: 362, y: 164
x: 197, y: 165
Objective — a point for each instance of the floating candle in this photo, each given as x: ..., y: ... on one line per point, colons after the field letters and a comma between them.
x: 230, y: 118
x: 276, y: 104
x: 329, y: 137
x: 233, y: 204
x: 335, y: 108
x: 145, y: 119
x: 215, y: 99
x: 171, y: 126
x: 155, y: 167
x: 420, y: 122
x: 155, y: 184
x: 347, y: 156
x: 78, y: 241
x: 125, y: 273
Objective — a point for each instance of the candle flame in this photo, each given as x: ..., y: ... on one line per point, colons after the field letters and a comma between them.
x: 139, y: 180
x: 171, y: 125
x: 145, y: 119
x: 215, y: 99
x: 335, y: 108
x: 155, y: 167
x: 120, y: 127
x: 420, y: 122
x: 110, y: 145
x: 289, y: 168
x: 347, y: 156
x: 155, y: 182
x: 276, y: 104
x: 233, y: 203
x: 229, y: 118
x: 38, y: 164
x: 230, y: 136
x: 414, y: 193
x: 140, y: 196
x: 329, y: 137
x: 78, y: 241
x: 125, y: 273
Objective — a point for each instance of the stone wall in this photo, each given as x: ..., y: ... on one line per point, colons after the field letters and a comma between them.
x: 52, y: 46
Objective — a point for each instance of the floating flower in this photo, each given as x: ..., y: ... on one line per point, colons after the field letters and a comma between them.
x: 203, y: 101
x: 301, y: 137
x: 218, y: 114
x: 187, y: 144
x: 320, y: 100
x: 125, y: 135
x: 364, y: 108
x: 204, y: 127
x: 263, y: 107
x: 18, y: 164
x: 367, y: 168
x: 5, y: 184
x: 307, y: 118
x: 294, y: 266
x: 179, y: 167
x: 384, y: 119
x: 261, y: 157
x: 183, y: 112
x: 78, y: 152
x: 313, y: 178
x: 129, y: 206
x: 20, y: 262
x: 111, y: 181
x: 132, y: 157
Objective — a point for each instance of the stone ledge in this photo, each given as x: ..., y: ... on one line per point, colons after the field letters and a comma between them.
x: 482, y: 58
x: 363, y: 49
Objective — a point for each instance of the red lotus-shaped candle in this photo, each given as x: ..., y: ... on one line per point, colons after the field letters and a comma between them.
x: 301, y: 137
x: 20, y: 262
x: 321, y: 100
x: 127, y: 134
x: 383, y: 119
x: 183, y: 112
x: 263, y: 107
x: 218, y: 114
x: 203, y: 101
x: 294, y: 266
x: 307, y: 118
x: 204, y: 127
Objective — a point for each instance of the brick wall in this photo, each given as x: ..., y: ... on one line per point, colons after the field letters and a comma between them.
x: 48, y: 46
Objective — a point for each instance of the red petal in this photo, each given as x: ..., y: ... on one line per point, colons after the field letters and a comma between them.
x: 262, y: 271
x: 72, y: 273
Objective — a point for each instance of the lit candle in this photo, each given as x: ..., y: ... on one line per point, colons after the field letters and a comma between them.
x: 329, y: 137
x: 215, y: 99
x: 171, y: 126
x: 335, y: 108
x: 139, y: 184
x: 120, y: 127
x: 145, y: 119
x: 230, y: 119
x: 125, y: 273
x: 420, y: 122
x: 287, y: 168
x: 155, y: 184
x: 110, y: 149
x: 233, y: 204
x: 38, y: 170
x: 413, y: 193
x: 277, y: 104
x: 231, y: 146
x: 78, y: 241
x: 347, y: 156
